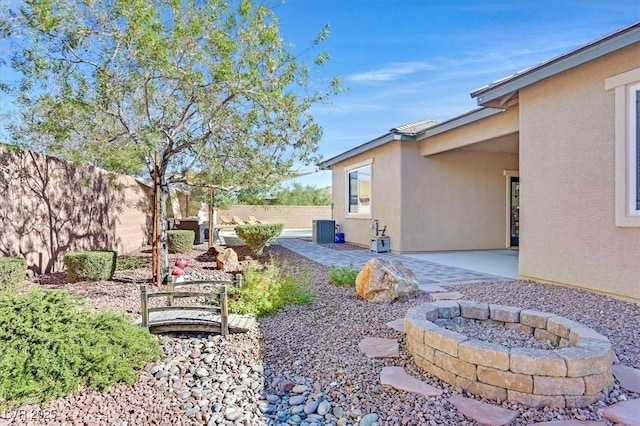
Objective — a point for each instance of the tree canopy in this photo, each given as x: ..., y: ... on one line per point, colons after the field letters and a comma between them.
x: 166, y: 86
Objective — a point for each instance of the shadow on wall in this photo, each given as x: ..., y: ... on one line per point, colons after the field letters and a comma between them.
x: 52, y: 207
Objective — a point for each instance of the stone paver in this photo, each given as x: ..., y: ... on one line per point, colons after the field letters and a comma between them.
x: 427, y: 272
x: 377, y: 347
x: 397, y: 378
x: 397, y: 325
x: 624, y: 412
x: 628, y: 377
x: 570, y: 423
x: 483, y: 413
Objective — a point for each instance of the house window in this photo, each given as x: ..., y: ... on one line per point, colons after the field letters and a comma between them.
x: 627, y: 146
x: 359, y: 191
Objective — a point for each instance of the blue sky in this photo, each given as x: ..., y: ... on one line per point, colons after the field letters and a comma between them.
x: 409, y: 60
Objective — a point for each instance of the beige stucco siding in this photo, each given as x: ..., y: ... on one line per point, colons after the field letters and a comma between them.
x: 455, y: 200
x: 568, y: 233
x: 385, y: 200
x: 493, y: 128
x: 450, y: 201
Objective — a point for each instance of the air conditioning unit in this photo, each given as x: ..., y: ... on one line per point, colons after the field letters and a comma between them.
x: 324, y: 231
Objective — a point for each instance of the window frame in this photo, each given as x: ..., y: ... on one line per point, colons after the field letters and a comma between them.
x: 347, y: 173
x: 626, y: 88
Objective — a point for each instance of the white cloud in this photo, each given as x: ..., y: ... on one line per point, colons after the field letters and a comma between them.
x: 391, y: 71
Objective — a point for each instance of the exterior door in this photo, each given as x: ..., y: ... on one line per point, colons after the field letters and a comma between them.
x: 514, y: 196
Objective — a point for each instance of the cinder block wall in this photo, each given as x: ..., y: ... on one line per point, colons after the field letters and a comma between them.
x: 293, y: 217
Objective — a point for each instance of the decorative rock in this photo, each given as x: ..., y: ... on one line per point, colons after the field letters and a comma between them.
x: 398, y: 378
x: 296, y: 400
x: 384, y: 280
x: 299, y: 389
x: 483, y: 413
x: 369, y: 419
x: 376, y: 347
x: 324, y: 408
x: 311, y: 407
x: 287, y: 385
x: 227, y: 260
x: 202, y: 372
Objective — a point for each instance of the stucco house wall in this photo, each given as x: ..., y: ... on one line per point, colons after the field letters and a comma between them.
x: 454, y: 200
x: 385, y: 197
x: 567, y: 173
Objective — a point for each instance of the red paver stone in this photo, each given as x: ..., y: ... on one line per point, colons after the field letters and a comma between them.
x: 626, y: 413
x: 397, y: 378
x: 377, y: 347
x: 628, y: 377
x: 397, y: 325
x: 570, y: 423
x: 483, y: 413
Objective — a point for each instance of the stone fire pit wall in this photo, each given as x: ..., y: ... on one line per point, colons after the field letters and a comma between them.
x: 574, y: 374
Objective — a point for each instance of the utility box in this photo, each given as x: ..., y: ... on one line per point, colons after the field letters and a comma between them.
x: 323, y: 231
x: 201, y: 229
x: 380, y: 245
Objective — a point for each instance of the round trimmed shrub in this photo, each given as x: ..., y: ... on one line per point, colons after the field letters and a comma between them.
x: 95, y: 265
x: 13, y: 270
x: 180, y: 241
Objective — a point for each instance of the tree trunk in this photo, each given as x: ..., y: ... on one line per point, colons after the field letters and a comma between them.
x: 162, y: 240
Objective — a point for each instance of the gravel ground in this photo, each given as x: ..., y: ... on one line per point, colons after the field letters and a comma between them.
x: 302, y: 364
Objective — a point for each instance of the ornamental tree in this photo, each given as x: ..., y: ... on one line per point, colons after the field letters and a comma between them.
x: 163, y: 87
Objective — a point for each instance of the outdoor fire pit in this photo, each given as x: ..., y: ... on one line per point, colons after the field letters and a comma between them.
x: 573, y: 371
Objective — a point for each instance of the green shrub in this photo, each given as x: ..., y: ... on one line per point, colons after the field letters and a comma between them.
x: 53, y: 345
x: 90, y: 265
x: 259, y: 236
x: 180, y: 241
x: 129, y: 262
x: 13, y: 271
x: 267, y: 290
x: 343, y: 275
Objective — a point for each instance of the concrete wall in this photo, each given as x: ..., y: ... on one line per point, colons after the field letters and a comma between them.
x: 568, y: 231
x: 455, y: 200
x: 51, y: 207
x: 293, y: 217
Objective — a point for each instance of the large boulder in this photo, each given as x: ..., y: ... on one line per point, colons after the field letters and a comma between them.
x: 384, y: 280
x: 227, y: 260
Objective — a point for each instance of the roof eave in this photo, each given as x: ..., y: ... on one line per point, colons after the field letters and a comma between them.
x: 459, y: 121
x: 384, y: 139
x: 622, y: 38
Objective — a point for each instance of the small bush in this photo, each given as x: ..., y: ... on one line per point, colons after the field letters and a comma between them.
x: 267, y: 290
x: 129, y: 262
x: 343, y: 275
x: 259, y: 236
x: 180, y: 241
x: 53, y: 345
x: 13, y: 271
x: 90, y: 265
